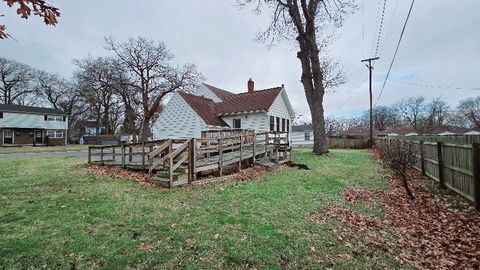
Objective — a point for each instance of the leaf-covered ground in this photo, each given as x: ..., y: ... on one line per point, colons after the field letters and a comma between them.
x: 436, y: 230
x: 56, y: 213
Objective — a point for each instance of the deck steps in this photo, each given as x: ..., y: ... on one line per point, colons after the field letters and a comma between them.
x: 163, y: 180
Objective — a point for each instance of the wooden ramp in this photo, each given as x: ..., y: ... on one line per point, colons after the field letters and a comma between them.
x: 175, y: 162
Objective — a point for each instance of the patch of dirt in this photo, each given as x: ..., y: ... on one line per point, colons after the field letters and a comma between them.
x: 117, y: 172
x: 427, y: 232
x: 245, y: 175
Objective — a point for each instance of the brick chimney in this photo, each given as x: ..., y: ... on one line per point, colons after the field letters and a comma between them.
x: 251, y: 86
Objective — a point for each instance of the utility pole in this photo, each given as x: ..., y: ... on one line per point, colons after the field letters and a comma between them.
x: 370, y: 68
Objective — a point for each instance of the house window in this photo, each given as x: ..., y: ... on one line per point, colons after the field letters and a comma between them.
x: 58, y: 118
x: 272, y: 123
x: 1, y: 114
x: 283, y: 124
x: 8, y: 133
x: 278, y: 124
x: 237, y: 123
x: 307, y: 136
x: 55, y: 133
x: 90, y: 131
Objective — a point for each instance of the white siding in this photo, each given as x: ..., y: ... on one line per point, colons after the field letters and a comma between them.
x: 202, y: 90
x: 27, y: 120
x: 178, y: 120
x: 281, y: 108
x: 298, y: 138
x: 257, y: 121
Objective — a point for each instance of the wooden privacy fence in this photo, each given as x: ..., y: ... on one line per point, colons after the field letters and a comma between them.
x: 174, y: 162
x: 347, y: 143
x: 455, y: 166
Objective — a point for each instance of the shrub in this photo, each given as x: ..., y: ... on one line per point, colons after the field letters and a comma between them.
x: 398, y: 156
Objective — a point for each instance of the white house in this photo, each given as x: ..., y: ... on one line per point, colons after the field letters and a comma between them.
x: 187, y: 115
x: 32, y: 125
x: 302, y: 135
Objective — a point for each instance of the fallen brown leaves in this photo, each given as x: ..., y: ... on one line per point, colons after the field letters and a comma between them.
x: 426, y: 232
x: 116, y: 172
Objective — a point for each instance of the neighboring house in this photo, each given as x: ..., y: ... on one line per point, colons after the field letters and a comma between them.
x: 302, y: 135
x: 438, y: 131
x: 86, y: 133
x: 358, y: 132
x: 210, y: 108
x: 32, y: 125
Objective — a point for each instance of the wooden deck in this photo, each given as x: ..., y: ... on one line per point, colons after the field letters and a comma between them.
x: 176, y: 162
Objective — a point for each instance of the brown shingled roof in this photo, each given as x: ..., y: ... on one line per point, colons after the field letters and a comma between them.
x: 220, y: 93
x: 205, y: 108
x: 209, y: 111
x: 258, y: 101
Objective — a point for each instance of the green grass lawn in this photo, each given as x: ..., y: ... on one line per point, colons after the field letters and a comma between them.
x: 54, y: 214
x: 40, y: 149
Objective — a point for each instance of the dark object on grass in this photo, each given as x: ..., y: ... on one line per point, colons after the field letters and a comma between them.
x: 300, y: 166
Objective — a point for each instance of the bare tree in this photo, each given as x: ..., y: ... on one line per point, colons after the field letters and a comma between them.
x: 440, y: 110
x: 384, y: 117
x: 60, y: 94
x: 470, y: 109
x: 310, y: 23
x: 399, y: 156
x: 152, y: 76
x: 39, y: 7
x: 15, y: 81
x: 422, y: 116
x: 91, y: 78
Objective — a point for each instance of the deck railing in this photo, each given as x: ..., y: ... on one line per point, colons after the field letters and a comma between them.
x: 188, y: 157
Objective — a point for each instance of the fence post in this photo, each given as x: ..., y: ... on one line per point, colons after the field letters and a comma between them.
x: 241, y: 153
x: 113, y: 154
x: 440, y: 165
x: 220, y: 157
x: 130, y: 158
x: 476, y: 174
x: 254, y: 148
x: 266, y: 144
x: 101, y: 155
x: 123, y: 155
x: 422, y: 158
x: 89, y: 154
x: 192, y: 162
x: 143, y: 156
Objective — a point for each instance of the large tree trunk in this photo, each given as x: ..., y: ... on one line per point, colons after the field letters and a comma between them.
x: 145, y: 128
x: 320, y: 144
x: 312, y: 75
x: 129, y: 120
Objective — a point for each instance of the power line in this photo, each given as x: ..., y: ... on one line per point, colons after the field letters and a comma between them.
x: 376, y: 26
x: 389, y: 27
x: 435, y: 86
x: 396, y: 50
x: 351, y: 94
x: 380, y: 27
x: 50, y: 47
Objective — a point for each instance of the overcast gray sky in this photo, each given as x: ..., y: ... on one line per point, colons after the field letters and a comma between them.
x: 441, y: 45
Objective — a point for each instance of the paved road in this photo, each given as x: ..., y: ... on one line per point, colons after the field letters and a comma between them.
x: 46, y: 154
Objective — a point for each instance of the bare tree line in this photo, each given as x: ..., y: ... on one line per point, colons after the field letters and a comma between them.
x: 123, y: 93
x: 415, y: 112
